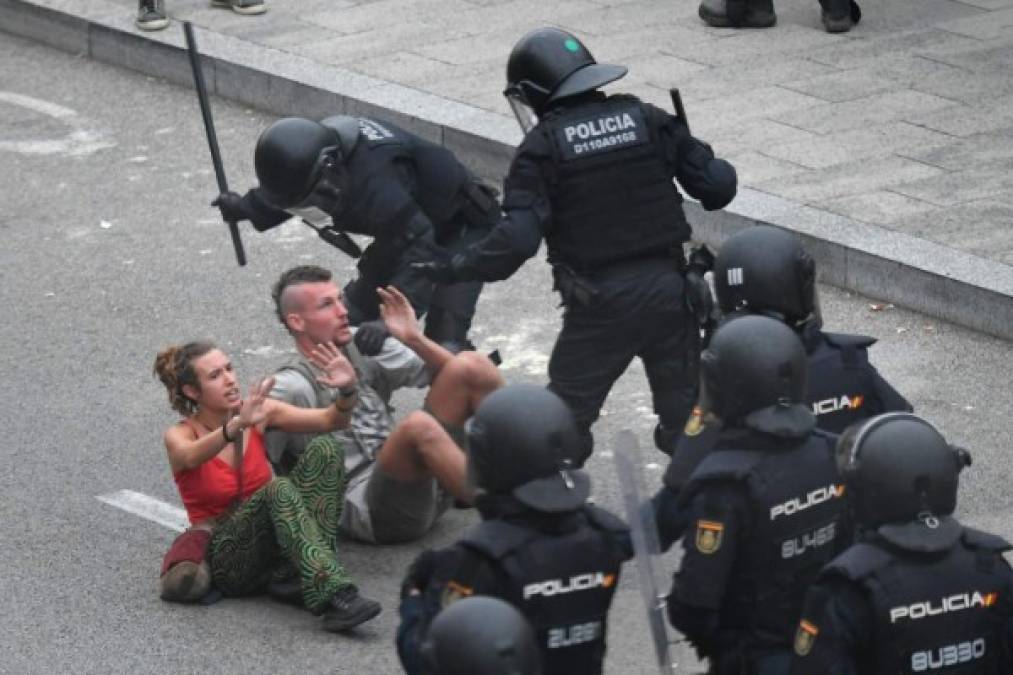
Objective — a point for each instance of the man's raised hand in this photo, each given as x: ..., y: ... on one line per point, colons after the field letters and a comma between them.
x: 338, y: 372
x: 398, y: 314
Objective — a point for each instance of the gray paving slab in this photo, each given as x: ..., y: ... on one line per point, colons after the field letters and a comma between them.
x: 901, y: 125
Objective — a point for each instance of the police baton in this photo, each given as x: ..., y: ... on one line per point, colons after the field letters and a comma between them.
x: 640, y: 517
x: 680, y: 111
x: 209, y: 128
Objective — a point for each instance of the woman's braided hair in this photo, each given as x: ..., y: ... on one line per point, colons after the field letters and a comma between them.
x: 174, y: 367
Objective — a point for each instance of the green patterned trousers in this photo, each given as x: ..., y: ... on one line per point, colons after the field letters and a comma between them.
x: 292, y: 519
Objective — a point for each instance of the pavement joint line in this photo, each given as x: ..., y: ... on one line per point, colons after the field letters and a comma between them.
x: 149, y: 508
x: 910, y: 271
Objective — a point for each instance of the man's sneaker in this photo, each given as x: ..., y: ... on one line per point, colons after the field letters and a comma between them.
x: 151, y: 15
x: 242, y: 6
x: 348, y: 609
x: 840, y: 16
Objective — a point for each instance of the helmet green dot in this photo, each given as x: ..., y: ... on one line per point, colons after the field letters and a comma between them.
x: 572, y: 44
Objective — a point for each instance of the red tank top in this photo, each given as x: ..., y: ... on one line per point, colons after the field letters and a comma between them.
x: 208, y: 490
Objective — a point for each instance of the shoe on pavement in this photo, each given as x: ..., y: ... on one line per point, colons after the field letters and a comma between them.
x: 348, y: 609
x: 242, y: 6
x: 151, y: 15
x: 756, y: 15
x: 288, y: 591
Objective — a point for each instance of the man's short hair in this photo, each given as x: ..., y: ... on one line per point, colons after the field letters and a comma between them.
x: 302, y: 274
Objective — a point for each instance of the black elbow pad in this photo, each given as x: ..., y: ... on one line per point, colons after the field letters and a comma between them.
x: 722, y: 184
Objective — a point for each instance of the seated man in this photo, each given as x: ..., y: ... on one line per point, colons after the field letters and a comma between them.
x: 401, y: 477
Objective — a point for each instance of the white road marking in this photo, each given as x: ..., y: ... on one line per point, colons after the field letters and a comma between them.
x: 149, y: 508
x: 79, y: 141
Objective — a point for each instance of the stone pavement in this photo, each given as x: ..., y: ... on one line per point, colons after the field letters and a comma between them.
x: 889, y: 148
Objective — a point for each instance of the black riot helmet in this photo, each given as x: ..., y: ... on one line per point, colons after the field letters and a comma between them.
x: 764, y: 269
x: 481, y: 635
x: 902, y: 477
x: 753, y: 374
x: 523, y: 441
x: 548, y: 64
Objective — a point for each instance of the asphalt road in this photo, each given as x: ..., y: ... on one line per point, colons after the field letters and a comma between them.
x: 110, y: 251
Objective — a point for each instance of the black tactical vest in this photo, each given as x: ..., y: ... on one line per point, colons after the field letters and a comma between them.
x: 796, y: 527
x: 840, y: 392
x: 563, y: 583
x: 612, y: 196
x: 934, y: 613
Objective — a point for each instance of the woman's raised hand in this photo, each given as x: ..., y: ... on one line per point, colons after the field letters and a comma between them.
x: 251, y: 410
x: 398, y: 314
x: 338, y: 370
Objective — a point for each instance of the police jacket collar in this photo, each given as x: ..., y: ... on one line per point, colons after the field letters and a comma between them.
x: 793, y: 421
x: 508, y: 508
x: 933, y: 534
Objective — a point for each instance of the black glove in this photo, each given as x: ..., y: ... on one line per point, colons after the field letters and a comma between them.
x: 701, y: 259
x: 439, y: 271
x: 699, y: 298
x: 420, y: 572
x: 232, y: 207
x: 370, y: 336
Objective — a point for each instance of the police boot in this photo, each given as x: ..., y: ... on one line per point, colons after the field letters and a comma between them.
x: 738, y: 13
x: 840, y: 16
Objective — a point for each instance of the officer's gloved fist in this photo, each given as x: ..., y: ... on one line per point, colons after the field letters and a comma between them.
x: 232, y: 207
x: 439, y: 271
x: 701, y: 259
x: 370, y: 336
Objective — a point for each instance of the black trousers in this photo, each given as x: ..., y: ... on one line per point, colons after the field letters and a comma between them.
x: 448, y: 308
x: 641, y: 312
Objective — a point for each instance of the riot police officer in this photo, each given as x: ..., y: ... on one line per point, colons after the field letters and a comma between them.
x: 765, y: 270
x: 594, y: 177
x: 481, y: 635
x: 765, y: 505
x: 540, y: 546
x: 919, y: 592
x: 367, y: 176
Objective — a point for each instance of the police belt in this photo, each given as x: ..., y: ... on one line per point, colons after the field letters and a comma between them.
x: 576, y: 284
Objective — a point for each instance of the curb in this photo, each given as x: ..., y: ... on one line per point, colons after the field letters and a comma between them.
x: 871, y: 260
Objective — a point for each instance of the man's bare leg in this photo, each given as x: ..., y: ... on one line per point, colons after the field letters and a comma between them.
x: 420, y: 447
x: 460, y: 387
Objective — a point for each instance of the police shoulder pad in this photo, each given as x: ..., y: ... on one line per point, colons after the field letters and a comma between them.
x: 857, y: 562
x: 605, y: 520
x: 852, y: 341
x: 986, y: 540
x: 496, y: 538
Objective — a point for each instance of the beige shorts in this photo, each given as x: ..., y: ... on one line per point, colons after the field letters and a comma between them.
x: 381, y: 510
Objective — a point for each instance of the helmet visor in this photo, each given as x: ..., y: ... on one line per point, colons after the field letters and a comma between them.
x: 525, y: 114
x: 328, y: 191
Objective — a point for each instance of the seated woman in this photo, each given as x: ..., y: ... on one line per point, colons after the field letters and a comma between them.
x: 258, y: 521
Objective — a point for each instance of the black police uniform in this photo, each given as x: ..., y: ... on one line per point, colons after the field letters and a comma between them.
x: 408, y: 194
x: 889, y: 607
x: 560, y: 570
x: 768, y: 514
x: 594, y: 178
x: 844, y: 387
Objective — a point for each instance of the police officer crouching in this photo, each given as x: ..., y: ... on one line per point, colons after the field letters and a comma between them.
x: 765, y: 505
x: 481, y: 635
x: 594, y: 178
x: 918, y: 593
x: 764, y: 270
x: 367, y: 176
x: 540, y: 546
